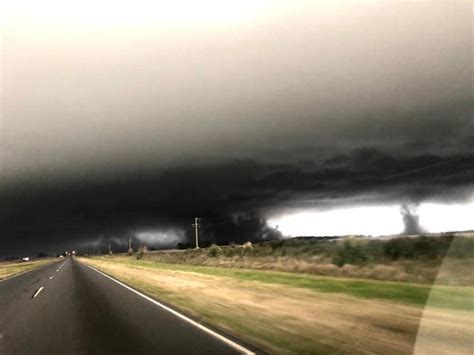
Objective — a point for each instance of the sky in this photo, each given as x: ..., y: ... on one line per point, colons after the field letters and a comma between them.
x: 128, y: 119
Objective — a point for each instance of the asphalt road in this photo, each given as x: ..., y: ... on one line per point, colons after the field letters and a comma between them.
x: 68, y: 308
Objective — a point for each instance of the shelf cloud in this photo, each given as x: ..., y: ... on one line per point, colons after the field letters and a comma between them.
x: 115, y: 127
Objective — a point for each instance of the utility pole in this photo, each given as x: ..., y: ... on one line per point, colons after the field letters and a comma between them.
x: 130, y: 250
x: 196, y: 226
x: 110, y: 250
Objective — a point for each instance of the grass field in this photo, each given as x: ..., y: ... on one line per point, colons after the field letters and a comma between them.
x: 410, y: 259
x: 8, y: 269
x: 292, y: 313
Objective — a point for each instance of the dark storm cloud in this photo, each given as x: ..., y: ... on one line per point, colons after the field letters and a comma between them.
x: 248, y: 190
x: 111, y: 131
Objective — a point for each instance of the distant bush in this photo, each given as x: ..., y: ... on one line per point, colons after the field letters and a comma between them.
x: 420, y: 247
x: 229, y: 251
x: 462, y: 248
x: 141, y: 251
x: 402, y: 248
x: 247, y: 248
x: 214, y: 250
x: 351, y: 252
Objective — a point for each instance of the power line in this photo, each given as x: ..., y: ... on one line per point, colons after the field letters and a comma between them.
x: 407, y: 172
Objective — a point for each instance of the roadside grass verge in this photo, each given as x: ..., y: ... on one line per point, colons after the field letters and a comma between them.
x: 287, y: 313
x: 454, y: 297
x: 8, y: 269
x: 415, y: 259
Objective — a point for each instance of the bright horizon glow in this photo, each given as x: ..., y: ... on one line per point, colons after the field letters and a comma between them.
x: 161, y: 237
x: 375, y: 221
x: 356, y: 220
x: 436, y: 217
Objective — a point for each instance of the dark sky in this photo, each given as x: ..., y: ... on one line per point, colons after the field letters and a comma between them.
x: 134, y: 119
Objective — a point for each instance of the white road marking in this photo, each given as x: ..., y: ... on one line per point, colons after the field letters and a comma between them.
x: 57, y: 270
x: 22, y: 273
x: 38, y: 291
x: 51, y: 277
x: 179, y: 315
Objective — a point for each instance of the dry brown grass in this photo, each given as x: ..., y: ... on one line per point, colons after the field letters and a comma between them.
x: 408, y: 259
x: 285, y: 319
x: 403, y: 270
x: 8, y: 269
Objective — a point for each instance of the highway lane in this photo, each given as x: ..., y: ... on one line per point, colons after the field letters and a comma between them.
x: 68, y: 308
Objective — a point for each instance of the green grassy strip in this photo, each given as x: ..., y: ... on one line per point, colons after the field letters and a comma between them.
x: 452, y: 297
